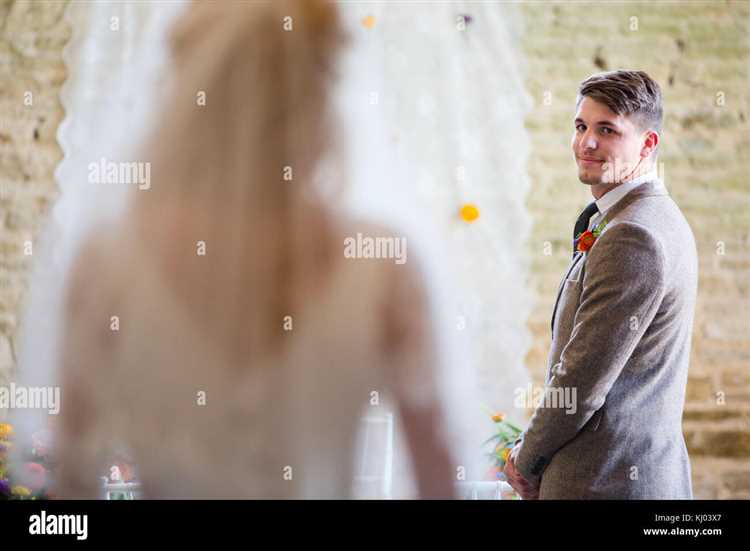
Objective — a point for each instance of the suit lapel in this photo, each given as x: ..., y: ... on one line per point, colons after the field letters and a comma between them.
x: 647, y: 189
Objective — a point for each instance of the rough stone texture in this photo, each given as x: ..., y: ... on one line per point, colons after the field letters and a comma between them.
x: 32, y: 36
x: 696, y: 51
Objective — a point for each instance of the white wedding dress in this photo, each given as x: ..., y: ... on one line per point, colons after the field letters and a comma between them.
x: 198, y: 423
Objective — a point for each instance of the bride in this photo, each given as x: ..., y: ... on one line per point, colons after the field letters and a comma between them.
x: 217, y: 332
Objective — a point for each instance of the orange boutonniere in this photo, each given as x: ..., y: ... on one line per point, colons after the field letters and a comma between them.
x: 586, y: 240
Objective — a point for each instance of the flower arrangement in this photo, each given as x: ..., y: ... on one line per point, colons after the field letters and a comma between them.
x: 33, y: 478
x: 506, y: 434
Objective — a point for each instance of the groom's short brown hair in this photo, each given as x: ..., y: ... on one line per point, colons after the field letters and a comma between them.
x: 631, y: 93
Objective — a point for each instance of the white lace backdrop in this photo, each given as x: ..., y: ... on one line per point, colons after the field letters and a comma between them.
x: 432, y: 103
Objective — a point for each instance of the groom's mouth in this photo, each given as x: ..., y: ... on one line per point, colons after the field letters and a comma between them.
x: 589, y: 161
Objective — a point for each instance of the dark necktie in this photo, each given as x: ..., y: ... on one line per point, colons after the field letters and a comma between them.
x: 582, y: 224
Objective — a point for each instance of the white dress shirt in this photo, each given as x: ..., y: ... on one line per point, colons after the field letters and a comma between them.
x: 609, y: 199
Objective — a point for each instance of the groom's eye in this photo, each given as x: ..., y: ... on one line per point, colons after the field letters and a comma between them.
x: 607, y: 130
x: 580, y: 127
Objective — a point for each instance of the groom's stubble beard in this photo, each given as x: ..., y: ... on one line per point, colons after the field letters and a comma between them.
x: 611, y: 174
x: 595, y: 178
x: 589, y: 179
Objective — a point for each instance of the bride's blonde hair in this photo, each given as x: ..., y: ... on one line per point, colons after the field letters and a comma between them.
x: 233, y: 162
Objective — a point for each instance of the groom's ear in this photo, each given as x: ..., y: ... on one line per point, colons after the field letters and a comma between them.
x: 650, y: 143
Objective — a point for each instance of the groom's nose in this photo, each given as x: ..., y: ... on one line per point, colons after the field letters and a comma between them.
x: 588, y: 141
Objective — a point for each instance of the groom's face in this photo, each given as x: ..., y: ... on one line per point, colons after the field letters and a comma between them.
x: 607, y: 146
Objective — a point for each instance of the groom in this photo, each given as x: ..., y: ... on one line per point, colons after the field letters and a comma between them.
x: 623, y: 317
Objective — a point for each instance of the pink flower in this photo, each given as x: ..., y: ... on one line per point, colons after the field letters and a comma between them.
x: 34, y: 476
x: 40, y: 441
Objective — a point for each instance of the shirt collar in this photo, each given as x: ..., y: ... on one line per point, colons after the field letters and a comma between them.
x: 609, y: 199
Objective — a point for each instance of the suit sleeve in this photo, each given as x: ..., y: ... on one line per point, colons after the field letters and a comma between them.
x: 623, y: 287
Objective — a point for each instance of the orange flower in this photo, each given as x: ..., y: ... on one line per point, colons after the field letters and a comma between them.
x: 504, y: 455
x: 469, y: 212
x: 6, y: 430
x: 498, y: 417
x: 586, y: 240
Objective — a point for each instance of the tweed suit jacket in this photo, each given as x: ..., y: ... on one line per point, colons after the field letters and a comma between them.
x: 621, y: 332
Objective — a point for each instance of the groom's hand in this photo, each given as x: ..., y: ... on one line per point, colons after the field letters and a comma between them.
x: 523, y: 487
